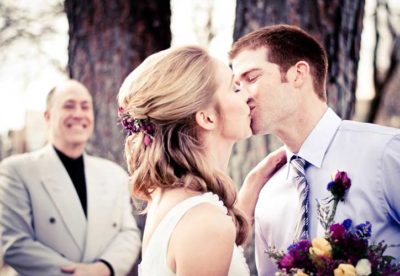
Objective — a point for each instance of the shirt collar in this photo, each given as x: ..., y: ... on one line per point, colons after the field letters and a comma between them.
x: 317, y: 142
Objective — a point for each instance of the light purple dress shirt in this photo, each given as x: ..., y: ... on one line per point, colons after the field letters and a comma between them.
x: 370, y: 154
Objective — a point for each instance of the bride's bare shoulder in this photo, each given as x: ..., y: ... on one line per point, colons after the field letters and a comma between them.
x: 203, y: 241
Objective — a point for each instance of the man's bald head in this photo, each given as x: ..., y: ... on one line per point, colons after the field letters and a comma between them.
x: 64, y: 86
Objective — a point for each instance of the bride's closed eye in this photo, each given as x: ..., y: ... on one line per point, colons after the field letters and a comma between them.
x: 236, y: 89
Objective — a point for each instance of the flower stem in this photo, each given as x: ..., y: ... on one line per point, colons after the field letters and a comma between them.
x: 333, y: 211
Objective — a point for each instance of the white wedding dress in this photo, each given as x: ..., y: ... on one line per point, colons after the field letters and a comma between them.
x: 154, y: 261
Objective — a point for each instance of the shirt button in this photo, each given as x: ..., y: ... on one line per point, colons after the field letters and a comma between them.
x: 52, y: 220
x: 114, y: 225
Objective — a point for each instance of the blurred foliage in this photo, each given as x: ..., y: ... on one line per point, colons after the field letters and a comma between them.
x: 29, y: 24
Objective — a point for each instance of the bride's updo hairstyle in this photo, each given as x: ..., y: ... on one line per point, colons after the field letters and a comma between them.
x: 165, y: 92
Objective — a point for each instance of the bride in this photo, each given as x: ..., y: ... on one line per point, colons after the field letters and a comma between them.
x: 183, y: 114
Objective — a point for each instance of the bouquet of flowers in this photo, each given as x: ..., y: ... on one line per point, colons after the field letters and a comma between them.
x: 345, y: 248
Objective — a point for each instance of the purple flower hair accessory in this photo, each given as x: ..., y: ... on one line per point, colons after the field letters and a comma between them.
x: 134, y: 126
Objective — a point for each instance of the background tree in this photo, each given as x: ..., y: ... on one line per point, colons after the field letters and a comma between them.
x: 108, y: 39
x: 384, y: 106
x: 20, y: 25
x: 338, y: 25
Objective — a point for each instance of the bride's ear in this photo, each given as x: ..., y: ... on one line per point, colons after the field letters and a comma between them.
x: 206, y: 119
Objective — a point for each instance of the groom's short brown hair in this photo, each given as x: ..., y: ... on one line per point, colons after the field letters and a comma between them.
x: 286, y: 46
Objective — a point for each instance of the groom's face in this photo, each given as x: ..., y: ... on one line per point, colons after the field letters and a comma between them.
x: 270, y: 102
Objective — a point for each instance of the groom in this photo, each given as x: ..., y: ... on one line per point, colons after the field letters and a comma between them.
x: 284, y: 70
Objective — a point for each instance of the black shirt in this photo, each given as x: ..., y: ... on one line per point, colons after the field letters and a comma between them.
x: 76, y: 171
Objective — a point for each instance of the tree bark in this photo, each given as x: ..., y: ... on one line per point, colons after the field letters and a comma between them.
x: 338, y: 25
x: 388, y: 110
x: 383, y: 79
x: 108, y: 39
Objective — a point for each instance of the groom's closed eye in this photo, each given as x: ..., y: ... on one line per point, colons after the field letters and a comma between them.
x: 252, y: 76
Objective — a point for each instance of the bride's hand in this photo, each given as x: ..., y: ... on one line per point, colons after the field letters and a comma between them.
x: 256, y: 179
x: 263, y: 171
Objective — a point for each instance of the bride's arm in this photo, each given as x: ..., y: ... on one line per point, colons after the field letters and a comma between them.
x: 256, y: 179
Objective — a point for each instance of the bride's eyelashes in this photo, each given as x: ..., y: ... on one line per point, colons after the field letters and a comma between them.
x: 236, y: 89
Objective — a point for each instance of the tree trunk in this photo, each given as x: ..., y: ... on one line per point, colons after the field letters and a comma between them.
x: 107, y: 39
x: 338, y: 25
x: 388, y: 112
x: 381, y: 110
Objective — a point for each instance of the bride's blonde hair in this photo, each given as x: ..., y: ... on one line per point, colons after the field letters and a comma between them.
x: 167, y: 89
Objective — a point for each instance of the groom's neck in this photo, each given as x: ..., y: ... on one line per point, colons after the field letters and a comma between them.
x: 298, y: 127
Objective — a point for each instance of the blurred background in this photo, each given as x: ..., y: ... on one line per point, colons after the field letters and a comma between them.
x: 99, y: 42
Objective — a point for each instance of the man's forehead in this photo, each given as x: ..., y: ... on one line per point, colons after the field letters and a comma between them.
x: 71, y: 94
x: 247, y: 60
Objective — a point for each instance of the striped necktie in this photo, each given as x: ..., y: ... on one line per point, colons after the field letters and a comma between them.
x: 297, y: 165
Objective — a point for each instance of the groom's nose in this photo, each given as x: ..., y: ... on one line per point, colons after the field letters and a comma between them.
x: 245, y: 90
x: 246, y: 93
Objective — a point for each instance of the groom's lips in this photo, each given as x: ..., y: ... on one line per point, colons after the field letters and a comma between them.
x: 251, y: 109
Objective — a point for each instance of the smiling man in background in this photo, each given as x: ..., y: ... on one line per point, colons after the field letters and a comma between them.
x: 63, y: 211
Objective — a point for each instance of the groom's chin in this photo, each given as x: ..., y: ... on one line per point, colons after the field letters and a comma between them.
x: 257, y: 132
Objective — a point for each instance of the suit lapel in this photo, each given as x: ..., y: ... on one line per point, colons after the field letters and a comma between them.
x: 61, y: 190
x: 100, y: 207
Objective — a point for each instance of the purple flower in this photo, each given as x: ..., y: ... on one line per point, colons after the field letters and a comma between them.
x: 149, y: 128
x: 300, y: 254
x: 287, y: 262
x: 342, y: 177
x: 337, y: 231
x: 301, y: 246
x: 147, y: 140
x: 350, y: 249
x: 347, y: 223
x: 136, y: 125
x: 363, y: 230
x: 339, y: 185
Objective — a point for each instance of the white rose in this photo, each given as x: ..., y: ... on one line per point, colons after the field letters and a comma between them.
x: 363, y: 267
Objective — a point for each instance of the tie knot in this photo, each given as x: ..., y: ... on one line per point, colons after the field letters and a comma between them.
x: 298, y: 161
x: 298, y: 165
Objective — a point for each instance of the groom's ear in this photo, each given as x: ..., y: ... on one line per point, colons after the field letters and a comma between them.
x: 206, y: 119
x: 299, y: 73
